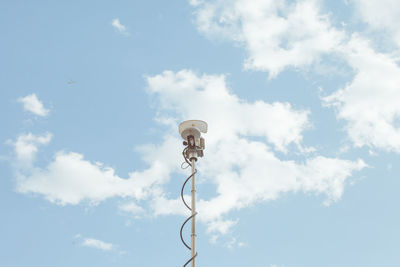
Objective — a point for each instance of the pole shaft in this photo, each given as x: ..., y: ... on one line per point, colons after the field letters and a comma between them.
x: 193, y: 212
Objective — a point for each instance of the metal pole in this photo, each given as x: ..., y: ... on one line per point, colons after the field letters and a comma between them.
x: 193, y: 214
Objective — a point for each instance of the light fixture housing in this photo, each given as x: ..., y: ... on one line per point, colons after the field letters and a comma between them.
x: 192, y: 127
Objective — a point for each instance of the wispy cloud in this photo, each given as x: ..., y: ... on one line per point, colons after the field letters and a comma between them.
x: 95, y: 243
x: 26, y: 147
x: 98, y: 244
x: 32, y: 104
x: 120, y: 28
x: 233, y: 243
x: 132, y: 208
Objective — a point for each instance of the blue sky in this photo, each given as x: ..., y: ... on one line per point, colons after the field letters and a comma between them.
x: 301, y: 161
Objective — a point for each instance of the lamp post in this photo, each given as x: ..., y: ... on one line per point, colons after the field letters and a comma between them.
x: 194, y: 145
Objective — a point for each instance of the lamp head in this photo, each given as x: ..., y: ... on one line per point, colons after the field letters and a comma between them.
x: 191, y: 133
x: 192, y: 128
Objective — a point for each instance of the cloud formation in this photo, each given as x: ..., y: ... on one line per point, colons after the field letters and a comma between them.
x: 225, y: 113
x: 244, y: 170
x: 69, y: 179
x: 276, y: 34
x: 240, y: 159
x: 26, y: 147
x: 382, y: 16
x: 282, y: 34
x: 119, y: 27
x: 32, y: 104
x: 370, y: 102
x: 98, y: 244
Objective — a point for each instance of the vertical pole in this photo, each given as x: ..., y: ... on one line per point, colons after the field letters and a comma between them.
x: 193, y: 212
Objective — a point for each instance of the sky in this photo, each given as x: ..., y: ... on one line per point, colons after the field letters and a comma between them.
x: 301, y: 166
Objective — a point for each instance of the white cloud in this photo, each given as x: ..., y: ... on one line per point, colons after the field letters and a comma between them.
x: 161, y: 205
x: 26, y: 147
x: 207, y: 97
x: 195, y: 2
x: 370, y: 102
x: 32, y: 104
x: 98, y: 244
x: 243, y: 170
x: 117, y: 25
x: 261, y: 176
x: 276, y: 34
x: 220, y: 226
x: 70, y: 179
x: 239, y: 160
x: 132, y: 208
x: 233, y: 243
x: 381, y: 16
x: 280, y: 34
x: 213, y: 239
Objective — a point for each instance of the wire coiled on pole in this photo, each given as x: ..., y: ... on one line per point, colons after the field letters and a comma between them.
x: 187, y: 206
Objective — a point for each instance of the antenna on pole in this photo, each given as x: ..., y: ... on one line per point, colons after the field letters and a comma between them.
x: 194, y: 145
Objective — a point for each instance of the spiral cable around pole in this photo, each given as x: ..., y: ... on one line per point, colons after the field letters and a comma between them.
x: 187, y: 206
